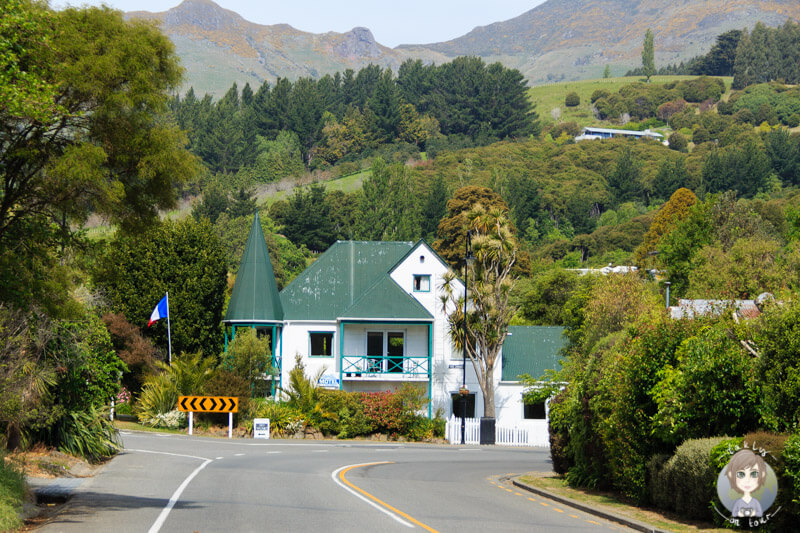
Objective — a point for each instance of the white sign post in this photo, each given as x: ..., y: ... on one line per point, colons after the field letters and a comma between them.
x: 261, y: 428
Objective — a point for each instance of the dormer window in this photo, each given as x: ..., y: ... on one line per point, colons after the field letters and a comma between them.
x: 422, y: 283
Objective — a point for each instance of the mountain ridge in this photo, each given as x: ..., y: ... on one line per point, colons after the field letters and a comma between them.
x: 557, y: 40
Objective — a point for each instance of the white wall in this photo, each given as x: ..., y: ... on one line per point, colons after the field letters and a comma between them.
x: 296, y: 341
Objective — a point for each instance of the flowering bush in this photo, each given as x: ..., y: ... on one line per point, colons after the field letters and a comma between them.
x: 123, y: 396
x: 170, y: 420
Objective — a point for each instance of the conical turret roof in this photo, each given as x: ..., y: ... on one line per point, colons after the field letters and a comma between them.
x: 255, y: 296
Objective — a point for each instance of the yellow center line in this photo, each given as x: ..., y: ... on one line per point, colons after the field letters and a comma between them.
x: 379, y: 501
x: 556, y: 509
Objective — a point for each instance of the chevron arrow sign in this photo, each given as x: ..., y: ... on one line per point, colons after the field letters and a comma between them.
x: 208, y: 404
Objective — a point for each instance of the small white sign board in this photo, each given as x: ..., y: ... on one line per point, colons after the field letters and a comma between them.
x: 329, y: 381
x: 261, y: 428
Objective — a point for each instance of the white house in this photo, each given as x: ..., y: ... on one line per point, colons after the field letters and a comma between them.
x: 590, y: 133
x: 368, y: 316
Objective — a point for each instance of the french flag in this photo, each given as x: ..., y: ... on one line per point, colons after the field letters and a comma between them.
x: 161, y: 311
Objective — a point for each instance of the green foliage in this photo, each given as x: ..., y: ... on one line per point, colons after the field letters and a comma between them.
x: 686, y: 483
x: 648, y: 55
x: 625, y: 181
x: 767, y: 97
x: 306, y: 221
x: 183, y: 258
x: 778, y: 337
x: 186, y: 376
x: 88, y: 434
x: 249, y: 357
x: 767, y: 54
x: 791, y: 458
x: 279, y: 158
x: 572, y: 100
x: 544, y: 298
x: 12, y: 494
x: 76, y: 140
x: 678, y: 142
x: 711, y: 389
x: 283, y: 419
x: 287, y: 259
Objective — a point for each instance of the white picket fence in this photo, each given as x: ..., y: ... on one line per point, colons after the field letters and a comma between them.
x: 527, y: 433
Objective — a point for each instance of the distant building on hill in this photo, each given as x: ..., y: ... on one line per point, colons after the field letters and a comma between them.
x: 589, y: 133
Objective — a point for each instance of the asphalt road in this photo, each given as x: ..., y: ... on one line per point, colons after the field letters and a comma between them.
x: 179, y: 483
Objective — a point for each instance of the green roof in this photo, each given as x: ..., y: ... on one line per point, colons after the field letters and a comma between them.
x: 340, y: 277
x: 386, y: 300
x: 531, y: 350
x: 255, y: 296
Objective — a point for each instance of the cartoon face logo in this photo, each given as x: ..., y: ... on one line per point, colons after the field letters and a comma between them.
x: 747, y: 486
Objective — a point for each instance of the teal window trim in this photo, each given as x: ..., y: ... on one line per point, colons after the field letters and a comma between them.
x: 421, y: 277
x: 333, y: 337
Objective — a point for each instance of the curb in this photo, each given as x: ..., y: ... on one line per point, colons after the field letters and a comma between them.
x: 613, y: 517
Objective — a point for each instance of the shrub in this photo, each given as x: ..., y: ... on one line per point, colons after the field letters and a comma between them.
x: 283, y: 419
x: 572, y: 100
x: 791, y: 468
x: 667, y: 109
x: 598, y: 94
x: 249, y: 358
x: 559, y: 436
x: 226, y: 383
x: 793, y: 121
x: 12, y: 493
x: 170, y: 420
x: 133, y: 348
x: 700, y: 135
x: 186, y: 376
x: 88, y: 434
x: 678, y: 142
x: 701, y: 89
x: 686, y: 483
x: 725, y: 108
x: 347, y: 418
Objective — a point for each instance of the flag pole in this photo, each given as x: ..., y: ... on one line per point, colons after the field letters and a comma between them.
x: 169, y: 334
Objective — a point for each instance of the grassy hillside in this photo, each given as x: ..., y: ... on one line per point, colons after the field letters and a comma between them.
x: 546, y: 98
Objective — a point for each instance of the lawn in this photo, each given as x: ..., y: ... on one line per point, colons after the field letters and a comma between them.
x: 12, y: 492
x: 549, y: 97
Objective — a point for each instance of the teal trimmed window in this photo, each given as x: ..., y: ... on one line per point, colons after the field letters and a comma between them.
x: 321, y: 343
x: 422, y: 283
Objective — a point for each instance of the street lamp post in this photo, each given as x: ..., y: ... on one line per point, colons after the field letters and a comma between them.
x: 468, y: 258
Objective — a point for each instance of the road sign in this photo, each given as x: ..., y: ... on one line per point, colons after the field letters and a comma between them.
x: 208, y: 404
x: 261, y: 428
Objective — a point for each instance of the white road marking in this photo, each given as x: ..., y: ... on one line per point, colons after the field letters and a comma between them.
x: 156, y: 527
x: 274, y: 452
x: 218, y: 458
x: 238, y: 454
x: 320, y: 451
x: 335, y: 477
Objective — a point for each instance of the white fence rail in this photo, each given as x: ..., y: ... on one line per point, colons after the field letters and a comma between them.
x: 527, y: 433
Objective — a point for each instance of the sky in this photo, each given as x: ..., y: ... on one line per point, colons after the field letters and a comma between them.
x: 408, y: 22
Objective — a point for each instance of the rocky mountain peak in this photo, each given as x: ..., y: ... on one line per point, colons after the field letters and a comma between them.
x: 357, y: 43
x: 203, y: 14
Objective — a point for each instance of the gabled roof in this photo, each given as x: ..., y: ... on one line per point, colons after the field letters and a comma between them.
x: 340, y: 277
x: 255, y: 296
x: 386, y: 300
x: 531, y: 350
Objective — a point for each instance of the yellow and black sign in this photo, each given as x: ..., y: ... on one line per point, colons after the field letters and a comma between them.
x: 208, y: 404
